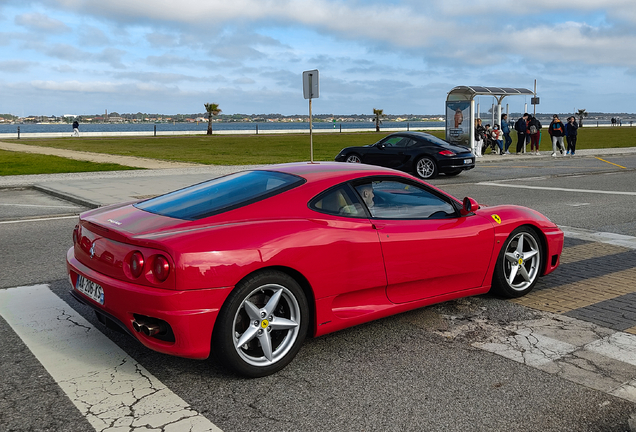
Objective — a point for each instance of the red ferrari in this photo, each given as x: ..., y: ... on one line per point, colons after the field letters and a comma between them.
x: 247, y: 265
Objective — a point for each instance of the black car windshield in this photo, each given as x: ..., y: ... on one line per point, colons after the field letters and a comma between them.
x: 221, y: 194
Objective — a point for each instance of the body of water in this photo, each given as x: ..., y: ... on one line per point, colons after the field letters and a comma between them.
x: 202, y: 127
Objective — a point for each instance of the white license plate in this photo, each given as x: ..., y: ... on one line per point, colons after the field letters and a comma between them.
x: 90, y: 288
x: 468, y: 161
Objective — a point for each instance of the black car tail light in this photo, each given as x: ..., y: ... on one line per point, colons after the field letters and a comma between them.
x: 136, y: 264
x: 447, y: 153
x: 160, y: 268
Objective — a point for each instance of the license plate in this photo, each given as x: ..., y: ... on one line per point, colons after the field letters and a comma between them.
x: 468, y: 161
x: 90, y: 288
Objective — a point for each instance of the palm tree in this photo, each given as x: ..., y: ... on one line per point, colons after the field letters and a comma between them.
x: 212, y: 109
x: 581, y: 113
x: 378, y: 113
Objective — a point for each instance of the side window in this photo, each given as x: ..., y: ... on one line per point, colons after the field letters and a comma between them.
x: 339, y: 201
x: 391, y: 199
x: 396, y: 142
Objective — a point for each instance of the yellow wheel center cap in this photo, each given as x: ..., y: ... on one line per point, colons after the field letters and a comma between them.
x: 520, y: 261
x: 264, y: 323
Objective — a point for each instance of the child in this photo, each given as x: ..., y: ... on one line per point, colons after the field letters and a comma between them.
x: 497, y: 135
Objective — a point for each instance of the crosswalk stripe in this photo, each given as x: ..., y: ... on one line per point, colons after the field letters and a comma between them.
x: 108, y: 386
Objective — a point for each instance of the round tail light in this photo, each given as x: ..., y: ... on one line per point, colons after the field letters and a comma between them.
x: 161, y: 268
x: 136, y: 264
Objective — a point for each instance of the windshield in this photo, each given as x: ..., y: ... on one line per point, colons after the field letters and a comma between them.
x: 221, y: 194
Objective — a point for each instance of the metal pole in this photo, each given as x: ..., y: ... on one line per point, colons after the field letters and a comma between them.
x: 155, y: 133
x: 534, y: 112
x: 257, y: 129
x: 18, y: 132
x: 311, y: 134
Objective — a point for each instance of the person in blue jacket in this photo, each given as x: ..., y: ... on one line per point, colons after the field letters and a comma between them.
x: 505, y: 128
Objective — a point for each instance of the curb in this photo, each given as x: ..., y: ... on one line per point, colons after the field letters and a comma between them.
x: 66, y: 196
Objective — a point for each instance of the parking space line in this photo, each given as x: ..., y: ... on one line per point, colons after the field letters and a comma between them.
x: 110, y: 388
x: 611, y: 163
x: 37, y: 219
x: 592, y: 191
x: 39, y: 206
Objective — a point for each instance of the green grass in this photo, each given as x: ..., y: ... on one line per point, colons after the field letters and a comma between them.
x: 244, y: 149
x: 217, y: 149
x: 14, y: 163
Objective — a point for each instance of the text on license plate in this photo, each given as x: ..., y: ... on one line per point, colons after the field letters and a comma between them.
x: 467, y: 161
x: 90, y: 288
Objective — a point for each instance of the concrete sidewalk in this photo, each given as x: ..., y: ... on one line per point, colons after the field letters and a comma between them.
x: 94, y: 189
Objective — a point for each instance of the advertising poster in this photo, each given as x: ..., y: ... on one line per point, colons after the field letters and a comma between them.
x: 458, y: 123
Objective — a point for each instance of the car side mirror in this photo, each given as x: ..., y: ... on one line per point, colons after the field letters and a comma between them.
x: 381, y: 146
x: 468, y: 206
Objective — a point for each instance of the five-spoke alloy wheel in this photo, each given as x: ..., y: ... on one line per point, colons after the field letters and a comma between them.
x: 261, y: 325
x: 426, y: 168
x: 354, y: 158
x: 519, y: 263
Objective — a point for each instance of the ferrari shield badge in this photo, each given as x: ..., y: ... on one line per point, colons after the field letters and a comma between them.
x: 496, y: 218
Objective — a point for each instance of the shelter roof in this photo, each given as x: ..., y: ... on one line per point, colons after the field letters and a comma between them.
x: 489, y: 91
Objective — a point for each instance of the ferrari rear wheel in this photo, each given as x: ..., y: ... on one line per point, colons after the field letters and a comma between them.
x: 354, y: 158
x: 262, y: 325
x: 426, y: 168
x: 519, y: 263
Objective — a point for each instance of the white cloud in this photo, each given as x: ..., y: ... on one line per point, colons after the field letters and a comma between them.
x: 41, y: 23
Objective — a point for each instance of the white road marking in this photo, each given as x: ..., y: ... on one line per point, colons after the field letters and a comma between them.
x: 38, y: 219
x: 581, y: 352
x: 39, y: 205
x: 603, y: 237
x: 110, y: 388
x: 592, y: 191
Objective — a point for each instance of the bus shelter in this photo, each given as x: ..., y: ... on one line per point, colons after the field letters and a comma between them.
x: 460, y: 110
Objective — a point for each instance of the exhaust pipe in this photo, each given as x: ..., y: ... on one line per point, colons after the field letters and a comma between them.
x: 136, y: 326
x: 148, y: 328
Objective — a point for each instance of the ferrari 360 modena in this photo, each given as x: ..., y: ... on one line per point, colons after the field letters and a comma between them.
x: 245, y: 266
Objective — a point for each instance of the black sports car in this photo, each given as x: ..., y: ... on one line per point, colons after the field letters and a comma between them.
x: 416, y: 152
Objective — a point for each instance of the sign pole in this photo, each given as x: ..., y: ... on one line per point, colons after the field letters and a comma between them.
x: 310, y: 91
x: 311, y: 133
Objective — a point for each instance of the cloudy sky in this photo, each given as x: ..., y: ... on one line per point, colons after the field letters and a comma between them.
x: 165, y: 56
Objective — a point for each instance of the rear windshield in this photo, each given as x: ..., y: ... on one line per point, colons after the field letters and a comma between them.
x: 221, y: 194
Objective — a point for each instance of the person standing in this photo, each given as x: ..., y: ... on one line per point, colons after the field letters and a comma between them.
x: 521, y: 127
x: 556, y: 131
x: 571, y: 134
x: 497, y: 135
x: 75, y: 129
x: 505, y: 128
x: 480, y: 133
x: 534, y: 130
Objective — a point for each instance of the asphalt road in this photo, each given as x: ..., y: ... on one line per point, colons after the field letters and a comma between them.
x: 401, y: 373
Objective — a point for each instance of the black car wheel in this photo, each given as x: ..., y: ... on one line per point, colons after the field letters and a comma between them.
x: 262, y: 325
x: 519, y: 264
x: 426, y: 168
x: 353, y: 158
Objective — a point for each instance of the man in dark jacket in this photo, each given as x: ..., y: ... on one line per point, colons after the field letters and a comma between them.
x: 557, y: 132
x: 571, y: 130
x: 75, y: 129
x: 521, y: 127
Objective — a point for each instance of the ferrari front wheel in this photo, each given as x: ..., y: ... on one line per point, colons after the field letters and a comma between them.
x: 519, y: 263
x: 262, y: 325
